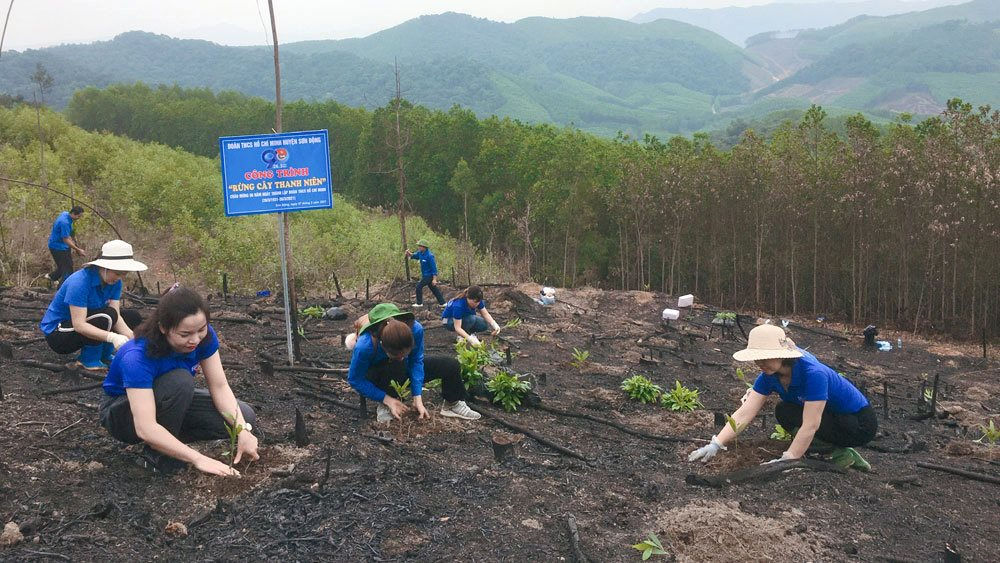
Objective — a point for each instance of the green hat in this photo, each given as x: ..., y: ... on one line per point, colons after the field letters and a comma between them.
x: 423, y: 242
x: 384, y: 311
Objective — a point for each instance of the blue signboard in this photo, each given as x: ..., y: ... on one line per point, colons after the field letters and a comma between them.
x: 276, y: 173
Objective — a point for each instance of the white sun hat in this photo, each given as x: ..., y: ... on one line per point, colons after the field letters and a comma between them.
x: 117, y: 255
x: 767, y: 342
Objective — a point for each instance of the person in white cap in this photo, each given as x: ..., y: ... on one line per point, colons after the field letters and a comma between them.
x: 817, y: 403
x: 85, y: 313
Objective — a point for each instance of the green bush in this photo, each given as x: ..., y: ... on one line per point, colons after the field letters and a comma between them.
x: 508, y: 390
x: 680, y: 398
x: 640, y: 388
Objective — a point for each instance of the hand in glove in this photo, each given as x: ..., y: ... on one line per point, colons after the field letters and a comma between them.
x: 351, y: 340
x: 708, y: 451
x: 784, y: 457
x: 496, y: 328
x: 116, y: 339
x: 473, y: 340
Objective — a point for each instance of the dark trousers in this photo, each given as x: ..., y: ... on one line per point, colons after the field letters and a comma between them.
x: 186, y: 412
x: 426, y: 281
x: 64, y: 264
x: 445, y: 368
x: 66, y: 340
x: 471, y: 324
x: 844, y: 430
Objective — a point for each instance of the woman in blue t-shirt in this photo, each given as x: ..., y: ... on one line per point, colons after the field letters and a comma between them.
x: 466, y: 315
x: 816, y: 401
x: 150, y: 394
x: 84, y: 314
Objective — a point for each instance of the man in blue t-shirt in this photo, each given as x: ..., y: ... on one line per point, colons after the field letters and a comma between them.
x: 428, y: 272
x: 62, y: 244
x: 817, y: 403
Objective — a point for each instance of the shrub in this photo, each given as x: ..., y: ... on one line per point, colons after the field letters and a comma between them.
x: 580, y: 358
x: 508, y: 390
x: 640, y: 388
x: 680, y: 398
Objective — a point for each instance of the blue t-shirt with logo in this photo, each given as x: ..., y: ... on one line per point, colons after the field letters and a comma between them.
x: 134, y: 368
x: 458, y: 308
x: 61, y: 228
x: 428, y: 265
x: 83, y: 288
x: 814, y: 381
x: 366, y: 355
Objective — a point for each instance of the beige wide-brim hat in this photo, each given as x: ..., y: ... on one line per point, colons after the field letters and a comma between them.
x: 117, y: 255
x: 767, y: 342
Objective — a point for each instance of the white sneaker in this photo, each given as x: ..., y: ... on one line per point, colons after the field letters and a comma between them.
x: 417, y: 305
x: 459, y: 409
x: 382, y: 414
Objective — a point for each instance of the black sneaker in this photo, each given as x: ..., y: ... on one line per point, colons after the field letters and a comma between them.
x: 160, y: 463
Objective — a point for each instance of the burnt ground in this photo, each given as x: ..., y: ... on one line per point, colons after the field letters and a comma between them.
x: 432, y: 491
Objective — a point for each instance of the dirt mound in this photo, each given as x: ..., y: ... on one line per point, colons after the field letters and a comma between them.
x: 709, y: 530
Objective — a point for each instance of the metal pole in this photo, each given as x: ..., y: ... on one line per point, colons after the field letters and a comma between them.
x: 284, y: 288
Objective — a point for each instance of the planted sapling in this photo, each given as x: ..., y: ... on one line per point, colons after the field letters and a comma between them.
x: 737, y: 428
x: 401, y: 389
x: 233, y: 429
x: 640, y: 388
x: 472, y: 361
x: 781, y: 434
x: 991, y: 434
x: 742, y: 376
x: 580, y: 358
x: 513, y: 323
x: 680, y: 398
x: 508, y: 390
x: 314, y: 312
x: 725, y: 317
x: 650, y: 546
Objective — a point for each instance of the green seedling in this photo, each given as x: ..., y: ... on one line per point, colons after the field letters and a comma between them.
x: 508, y: 390
x: 472, y: 360
x: 432, y: 384
x: 991, y: 434
x: 301, y: 332
x: 781, y: 434
x: 401, y: 389
x: 725, y: 316
x: 650, y: 546
x: 742, y: 376
x: 314, y: 312
x: 928, y: 394
x: 640, y: 388
x: 680, y: 398
x: 233, y: 429
x: 513, y: 323
x: 580, y: 358
x: 737, y: 428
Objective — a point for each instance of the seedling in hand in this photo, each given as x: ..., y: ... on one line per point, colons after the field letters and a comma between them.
x: 640, y: 388
x: 233, y: 429
x: 650, y: 546
x: 680, y: 398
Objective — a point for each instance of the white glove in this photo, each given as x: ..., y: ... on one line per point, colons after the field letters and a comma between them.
x: 351, y: 340
x: 708, y: 451
x: 496, y: 328
x: 784, y: 457
x: 117, y: 339
x: 473, y: 340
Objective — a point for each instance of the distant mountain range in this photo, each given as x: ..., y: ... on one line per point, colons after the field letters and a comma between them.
x: 600, y: 74
x: 737, y: 24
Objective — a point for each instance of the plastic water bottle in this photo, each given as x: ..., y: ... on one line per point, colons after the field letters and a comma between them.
x: 899, y: 343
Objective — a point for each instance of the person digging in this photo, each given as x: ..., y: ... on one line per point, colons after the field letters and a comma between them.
x: 822, y: 408
x: 389, y: 346
x: 428, y: 272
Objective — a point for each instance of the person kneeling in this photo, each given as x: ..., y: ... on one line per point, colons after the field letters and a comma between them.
x: 150, y: 394
x: 389, y: 346
x: 817, y: 403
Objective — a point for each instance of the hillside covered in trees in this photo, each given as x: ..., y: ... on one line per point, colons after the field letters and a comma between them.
x: 600, y: 75
x: 899, y: 226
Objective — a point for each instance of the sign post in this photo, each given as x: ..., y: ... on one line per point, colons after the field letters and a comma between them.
x: 277, y: 174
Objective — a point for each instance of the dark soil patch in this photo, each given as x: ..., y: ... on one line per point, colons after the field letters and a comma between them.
x: 432, y: 491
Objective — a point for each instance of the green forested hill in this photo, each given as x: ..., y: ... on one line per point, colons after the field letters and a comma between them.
x: 601, y: 75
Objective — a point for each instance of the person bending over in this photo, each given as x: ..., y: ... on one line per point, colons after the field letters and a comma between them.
x: 817, y: 404
x: 150, y: 393
x: 466, y: 315
x: 389, y: 346
x: 84, y: 314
